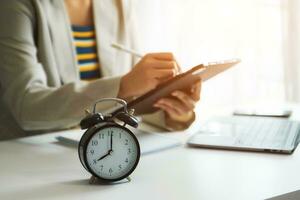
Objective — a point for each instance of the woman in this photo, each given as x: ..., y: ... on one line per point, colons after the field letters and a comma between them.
x: 56, y: 60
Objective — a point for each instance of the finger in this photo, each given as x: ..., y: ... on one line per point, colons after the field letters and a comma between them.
x: 159, y: 64
x: 153, y: 82
x: 185, y: 99
x: 196, y: 86
x: 162, y: 73
x: 161, y: 56
x: 196, y: 90
x: 174, y: 104
x: 171, y: 112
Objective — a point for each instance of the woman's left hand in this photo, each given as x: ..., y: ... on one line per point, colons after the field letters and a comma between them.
x: 180, y: 107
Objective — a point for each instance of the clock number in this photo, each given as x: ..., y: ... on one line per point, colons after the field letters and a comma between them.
x: 110, y: 171
x: 94, y: 162
x: 120, y: 167
x: 126, y: 141
x: 101, y: 136
x: 129, y: 151
x: 109, y: 133
x: 126, y: 160
x: 94, y: 142
x: 101, y: 167
x: 120, y: 136
x: 92, y: 151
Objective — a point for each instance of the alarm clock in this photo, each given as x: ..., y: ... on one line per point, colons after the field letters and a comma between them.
x: 108, y: 149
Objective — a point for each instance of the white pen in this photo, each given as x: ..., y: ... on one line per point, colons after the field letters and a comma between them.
x: 123, y: 48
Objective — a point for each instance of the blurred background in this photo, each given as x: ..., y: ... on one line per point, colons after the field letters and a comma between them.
x: 265, y: 34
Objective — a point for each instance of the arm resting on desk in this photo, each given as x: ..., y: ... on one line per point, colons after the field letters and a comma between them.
x: 32, y: 91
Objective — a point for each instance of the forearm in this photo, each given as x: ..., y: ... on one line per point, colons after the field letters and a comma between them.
x: 45, y: 108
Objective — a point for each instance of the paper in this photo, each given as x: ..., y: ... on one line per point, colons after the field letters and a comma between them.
x: 149, y: 142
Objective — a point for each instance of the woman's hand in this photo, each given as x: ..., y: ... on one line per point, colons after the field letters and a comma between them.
x: 179, y: 108
x: 152, y: 70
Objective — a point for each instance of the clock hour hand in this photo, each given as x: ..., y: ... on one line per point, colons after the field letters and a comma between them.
x: 104, y: 156
x: 110, y: 151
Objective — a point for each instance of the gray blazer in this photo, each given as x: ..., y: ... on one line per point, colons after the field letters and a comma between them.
x: 40, y: 88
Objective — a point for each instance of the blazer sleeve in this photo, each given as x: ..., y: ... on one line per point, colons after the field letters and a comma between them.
x: 23, y: 82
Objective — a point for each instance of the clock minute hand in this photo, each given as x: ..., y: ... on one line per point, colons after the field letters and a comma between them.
x: 111, y: 142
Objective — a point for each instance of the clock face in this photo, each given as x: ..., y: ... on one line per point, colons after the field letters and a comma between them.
x: 112, y: 153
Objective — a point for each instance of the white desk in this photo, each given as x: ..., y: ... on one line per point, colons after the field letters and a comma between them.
x: 38, y: 168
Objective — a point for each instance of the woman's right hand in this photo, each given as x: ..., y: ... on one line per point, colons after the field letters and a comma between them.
x: 153, y: 69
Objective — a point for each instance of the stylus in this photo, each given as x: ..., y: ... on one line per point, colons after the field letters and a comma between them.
x: 127, y: 50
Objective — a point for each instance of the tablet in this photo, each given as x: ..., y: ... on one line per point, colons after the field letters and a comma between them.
x: 144, y: 104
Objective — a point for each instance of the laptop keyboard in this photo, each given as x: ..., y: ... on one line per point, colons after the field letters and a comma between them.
x: 265, y: 132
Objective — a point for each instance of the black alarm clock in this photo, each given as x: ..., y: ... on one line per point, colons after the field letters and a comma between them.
x: 109, y: 150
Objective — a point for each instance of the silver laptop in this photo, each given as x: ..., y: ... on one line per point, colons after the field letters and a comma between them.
x: 248, y: 133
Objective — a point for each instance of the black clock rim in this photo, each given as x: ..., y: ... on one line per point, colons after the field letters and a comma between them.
x: 88, y: 140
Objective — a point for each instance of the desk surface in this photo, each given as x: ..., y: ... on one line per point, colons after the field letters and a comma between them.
x: 39, y: 168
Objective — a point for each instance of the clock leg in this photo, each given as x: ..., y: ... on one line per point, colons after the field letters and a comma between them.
x: 95, y: 181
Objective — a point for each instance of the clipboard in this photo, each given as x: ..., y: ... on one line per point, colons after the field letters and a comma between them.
x: 144, y: 104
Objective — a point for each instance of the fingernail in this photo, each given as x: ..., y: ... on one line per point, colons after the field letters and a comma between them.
x: 158, y: 104
x: 174, y: 93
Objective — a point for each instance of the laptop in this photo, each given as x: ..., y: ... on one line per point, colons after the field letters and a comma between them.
x: 263, y: 134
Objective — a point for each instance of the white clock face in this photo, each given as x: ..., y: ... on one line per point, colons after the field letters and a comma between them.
x: 112, y: 153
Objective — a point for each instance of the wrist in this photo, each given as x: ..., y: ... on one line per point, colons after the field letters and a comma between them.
x: 180, y: 122
x: 183, y: 118
x: 123, y: 89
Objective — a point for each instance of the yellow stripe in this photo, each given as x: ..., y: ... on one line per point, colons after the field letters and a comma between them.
x: 86, y: 56
x: 84, y: 34
x: 88, y: 68
x: 85, y: 44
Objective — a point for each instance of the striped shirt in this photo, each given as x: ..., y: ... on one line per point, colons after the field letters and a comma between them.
x: 86, y: 49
